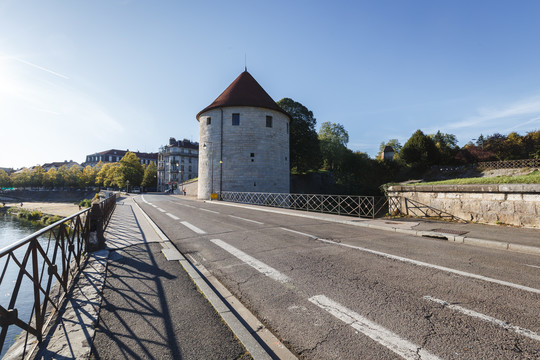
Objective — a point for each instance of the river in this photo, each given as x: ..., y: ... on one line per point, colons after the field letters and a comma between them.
x: 12, y: 230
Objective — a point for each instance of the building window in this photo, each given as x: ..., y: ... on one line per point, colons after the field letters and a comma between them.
x: 190, y: 168
x: 182, y: 168
x: 209, y: 121
x: 268, y: 121
x: 236, y: 119
x: 190, y: 160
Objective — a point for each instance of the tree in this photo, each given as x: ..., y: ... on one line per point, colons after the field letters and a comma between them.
x: 419, y: 151
x: 150, y: 176
x: 333, y: 139
x: 37, y: 176
x: 5, y: 181
x: 130, y: 170
x: 73, y: 178
x: 50, y: 178
x: 447, y: 146
x: 304, y: 148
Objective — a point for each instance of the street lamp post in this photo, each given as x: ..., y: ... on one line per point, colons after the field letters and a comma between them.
x: 127, y: 186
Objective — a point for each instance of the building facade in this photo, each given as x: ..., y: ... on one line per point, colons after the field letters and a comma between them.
x: 244, y: 142
x: 113, y: 155
x: 177, y: 162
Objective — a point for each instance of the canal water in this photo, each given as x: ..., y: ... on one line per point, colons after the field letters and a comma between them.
x: 12, y: 230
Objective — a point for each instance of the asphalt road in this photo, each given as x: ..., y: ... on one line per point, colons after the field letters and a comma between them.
x: 334, y: 291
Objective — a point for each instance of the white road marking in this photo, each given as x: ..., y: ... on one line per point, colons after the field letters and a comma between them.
x: 172, y: 216
x: 193, y: 227
x: 160, y: 209
x: 534, y: 266
x: 300, y: 233
x: 380, y: 334
x: 211, y: 211
x: 437, y: 267
x: 521, y: 331
x: 241, y: 218
x: 251, y: 261
x: 154, y: 206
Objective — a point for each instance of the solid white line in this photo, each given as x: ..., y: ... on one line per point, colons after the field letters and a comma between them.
x: 211, y: 211
x: 241, y: 218
x: 172, y: 216
x: 160, y: 209
x: 251, y: 261
x: 193, y: 227
x: 143, y: 199
x: 380, y: 334
x: 437, y: 267
x: 521, y: 331
x: 300, y: 233
x: 534, y: 266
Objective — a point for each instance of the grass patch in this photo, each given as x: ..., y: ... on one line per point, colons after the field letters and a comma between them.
x: 532, y: 178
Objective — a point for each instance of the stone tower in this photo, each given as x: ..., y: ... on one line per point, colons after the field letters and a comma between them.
x: 243, y: 141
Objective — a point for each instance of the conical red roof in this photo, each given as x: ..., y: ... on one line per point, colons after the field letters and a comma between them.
x: 244, y: 91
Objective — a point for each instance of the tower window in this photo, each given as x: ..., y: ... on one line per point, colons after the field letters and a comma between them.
x: 208, y: 120
x: 269, y: 121
x: 236, y: 119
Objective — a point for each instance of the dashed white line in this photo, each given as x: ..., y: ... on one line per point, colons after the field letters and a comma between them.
x: 172, y: 216
x: 534, y: 266
x: 300, y: 233
x: 380, y: 334
x: 160, y: 209
x: 193, y: 227
x: 521, y: 331
x: 241, y: 218
x: 424, y: 264
x: 154, y: 206
x: 251, y: 261
x: 210, y: 211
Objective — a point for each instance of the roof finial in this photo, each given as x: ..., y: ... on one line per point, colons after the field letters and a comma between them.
x: 245, y: 62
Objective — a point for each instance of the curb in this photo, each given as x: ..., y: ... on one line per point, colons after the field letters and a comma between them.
x: 208, y: 285
x: 493, y: 244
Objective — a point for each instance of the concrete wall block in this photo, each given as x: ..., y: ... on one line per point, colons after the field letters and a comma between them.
x: 529, y: 220
x: 506, y: 207
x: 493, y: 196
x: 475, y: 196
x: 531, y: 197
x: 514, y: 197
x: 525, y: 208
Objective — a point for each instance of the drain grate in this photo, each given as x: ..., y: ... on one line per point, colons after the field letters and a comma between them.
x: 450, y: 231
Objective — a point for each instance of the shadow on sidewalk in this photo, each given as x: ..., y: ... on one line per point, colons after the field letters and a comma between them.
x: 135, y: 319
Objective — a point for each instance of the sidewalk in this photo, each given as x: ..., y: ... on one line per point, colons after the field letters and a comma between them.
x: 525, y: 240
x: 150, y: 305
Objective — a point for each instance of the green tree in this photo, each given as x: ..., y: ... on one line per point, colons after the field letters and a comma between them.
x: 150, y: 176
x: 108, y: 175
x: 21, y: 179
x: 50, y: 178
x: 130, y: 170
x: 419, y: 151
x: 62, y: 178
x: 37, y: 176
x: 447, y: 146
x: 5, y: 180
x: 333, y: 139
x: 304, y: 148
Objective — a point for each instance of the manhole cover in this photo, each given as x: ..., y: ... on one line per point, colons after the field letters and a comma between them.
x: 450, y: 231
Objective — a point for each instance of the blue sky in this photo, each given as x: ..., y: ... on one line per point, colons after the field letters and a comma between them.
x: 78, y: 77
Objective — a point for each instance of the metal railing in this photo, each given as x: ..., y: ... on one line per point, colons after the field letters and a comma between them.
x: 40, y: 269
x: 510, y: 164
x: 360, y: 206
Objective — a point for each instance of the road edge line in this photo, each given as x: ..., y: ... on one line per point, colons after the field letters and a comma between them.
x: 202, y: 278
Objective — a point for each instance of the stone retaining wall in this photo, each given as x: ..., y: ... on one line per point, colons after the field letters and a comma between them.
x: 514, y: 204
x: 191, y: 187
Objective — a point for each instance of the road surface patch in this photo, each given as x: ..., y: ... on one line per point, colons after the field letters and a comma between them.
x: 300, y: 233
x: 172, y: 216
x: 376, y: 332
x: 504, y: 324
x: 241, y: 218
x: 193, y: 227
x: 210, y: 211
x: 251, y: 261
x: 436, y: 267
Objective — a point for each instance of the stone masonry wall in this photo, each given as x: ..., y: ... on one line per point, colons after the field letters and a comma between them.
x: 255, y: 157
x: 514, y: 204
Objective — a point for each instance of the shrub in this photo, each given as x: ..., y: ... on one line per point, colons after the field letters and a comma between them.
x: 85, y: 203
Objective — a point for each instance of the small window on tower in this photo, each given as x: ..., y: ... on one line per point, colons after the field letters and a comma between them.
x: 208, y: 120
x: 269, y: 121
x: 236, y: 119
